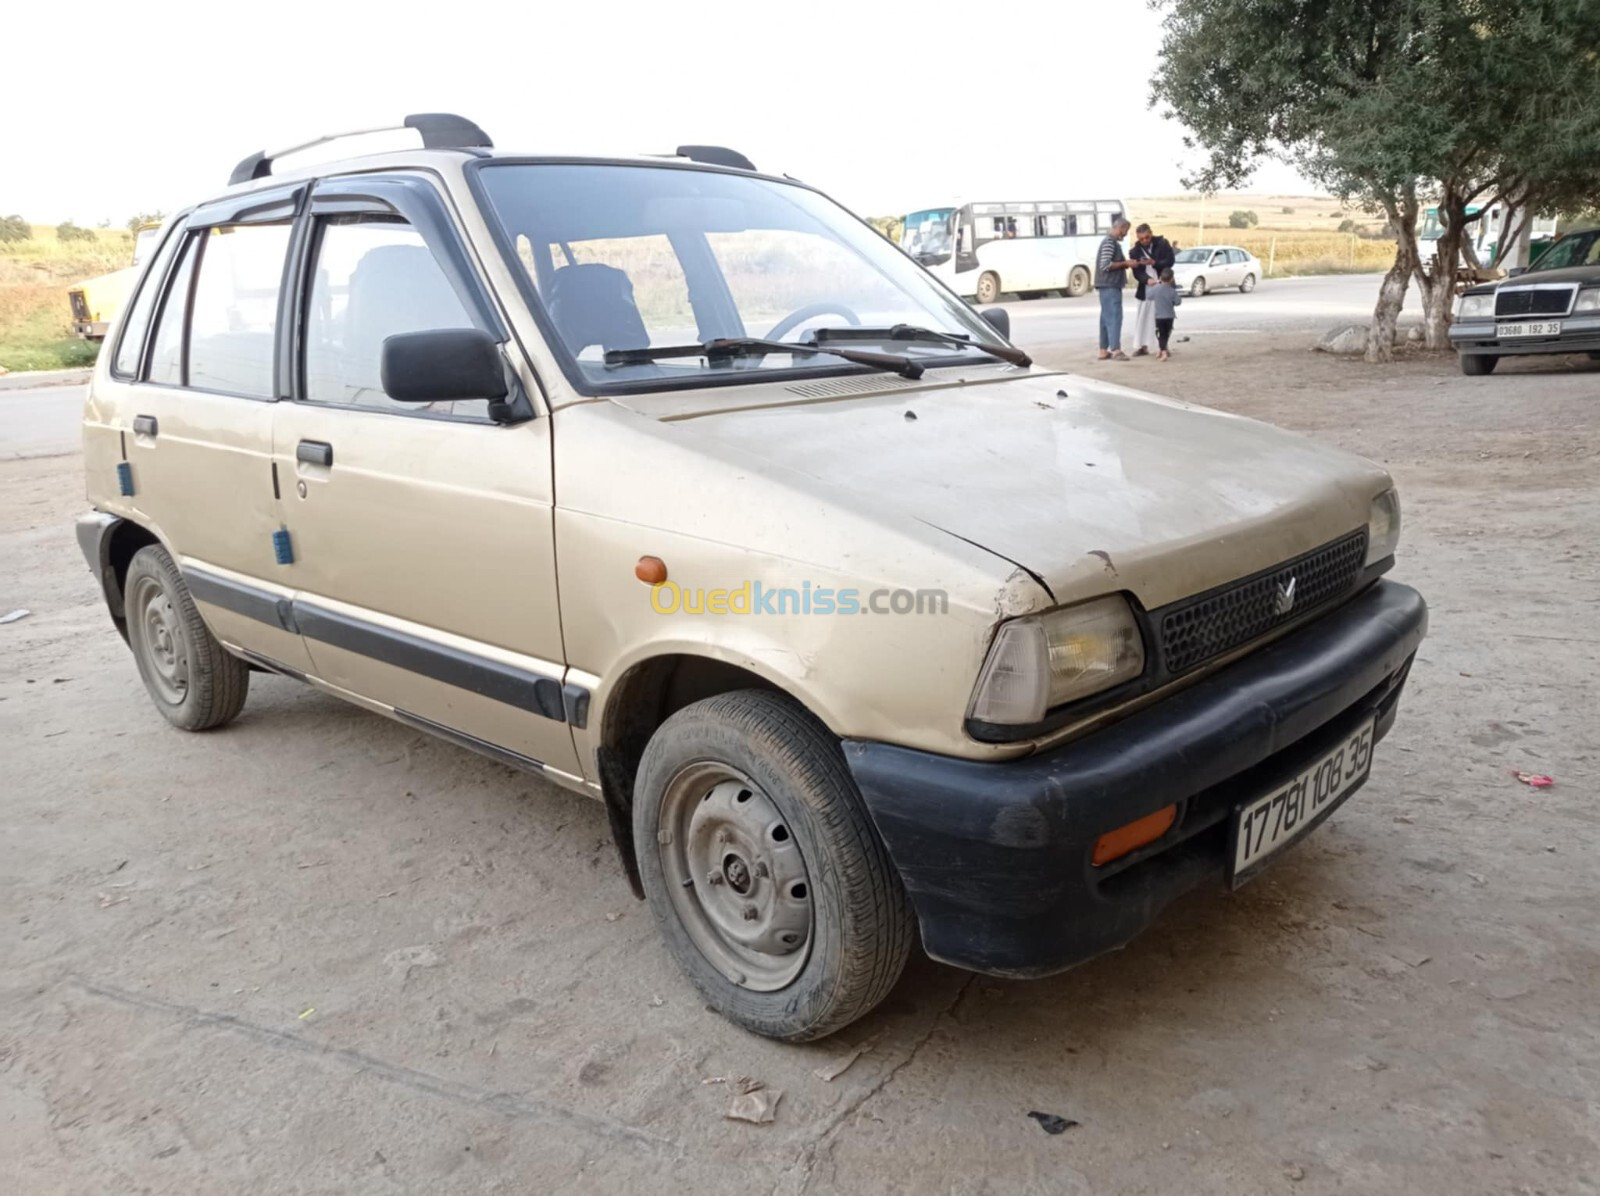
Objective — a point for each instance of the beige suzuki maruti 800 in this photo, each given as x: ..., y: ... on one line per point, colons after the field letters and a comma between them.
x: 676, y: 483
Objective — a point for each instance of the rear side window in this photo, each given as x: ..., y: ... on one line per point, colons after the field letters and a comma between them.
x: 134, y: 328
x: 235, y: 312
x: 374, y: 277
x: 166, y: 351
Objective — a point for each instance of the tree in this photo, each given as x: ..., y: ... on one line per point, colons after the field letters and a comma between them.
x: 142, y: 218
x: 1390, y: 103
x: 13, y: 229
x: 1240, y: 219
x: 68, y: 231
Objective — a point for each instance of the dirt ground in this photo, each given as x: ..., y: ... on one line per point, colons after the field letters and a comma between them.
x: 319, y: 952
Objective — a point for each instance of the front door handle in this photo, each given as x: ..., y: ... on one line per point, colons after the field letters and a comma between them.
x: 144, y: 425
x: 314, y: 452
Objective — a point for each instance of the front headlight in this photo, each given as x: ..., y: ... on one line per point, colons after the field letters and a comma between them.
x: 1383, y: 526
x: 1040, y: 661
x: 1588, y: 300
x: 1476, y: 307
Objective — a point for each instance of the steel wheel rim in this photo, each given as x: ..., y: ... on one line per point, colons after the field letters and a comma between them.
x: 163, y: 646
x: 736, y: 877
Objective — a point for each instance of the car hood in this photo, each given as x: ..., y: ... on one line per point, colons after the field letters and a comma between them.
x: 1088, y: 486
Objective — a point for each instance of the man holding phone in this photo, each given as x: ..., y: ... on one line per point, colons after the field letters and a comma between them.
x: 1151, y: 255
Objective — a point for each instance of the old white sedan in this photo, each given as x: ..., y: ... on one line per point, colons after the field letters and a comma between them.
x: 1212, y: 267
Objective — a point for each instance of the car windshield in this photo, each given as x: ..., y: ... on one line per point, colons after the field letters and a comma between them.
x: 619, y: 257
x: 1193, y: 255
x: 1574, y: 249
x: 927, y: 233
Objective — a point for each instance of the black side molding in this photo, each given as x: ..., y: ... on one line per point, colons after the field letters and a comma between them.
x: 523, y: 688
x: 465, y: 670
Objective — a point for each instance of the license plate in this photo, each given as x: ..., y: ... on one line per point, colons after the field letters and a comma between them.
x: 1272, y: 822
x: 1530, y: 328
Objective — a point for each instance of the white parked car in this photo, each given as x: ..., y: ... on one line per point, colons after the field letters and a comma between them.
x: 1211, y: 267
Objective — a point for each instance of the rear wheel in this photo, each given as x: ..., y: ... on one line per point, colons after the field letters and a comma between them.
x: 193, y: 680
x: 988, y: 287
x: 1478, y: 365
x: 1248, y: 285
x: 1197, y: 287
x: 765, y: 875
x: 1078, y: 282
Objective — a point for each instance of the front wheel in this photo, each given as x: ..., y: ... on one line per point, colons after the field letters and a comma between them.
x: 1197, y: 287
x: 988, y: 287
x: 193, y: 680
x: 766, y: 877
x: 1478, y: 365
x: 1248, y: 285
x: 1078, y: 282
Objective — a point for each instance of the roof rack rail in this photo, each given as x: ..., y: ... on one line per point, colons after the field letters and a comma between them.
x: 440, y: 130
x: 716, y: 155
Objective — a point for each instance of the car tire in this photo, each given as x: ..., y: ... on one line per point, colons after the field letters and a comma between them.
x: 1478, y: 365
x: 766, y: 877
x: 1197, y: 287
x: 1248, y: 285
x: 1077, y: 283
x: 194, y: 681
x: 988, y: 287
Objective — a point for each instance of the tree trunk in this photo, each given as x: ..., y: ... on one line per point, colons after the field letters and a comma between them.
x: 1392, y: 294
x: 1439, y: 284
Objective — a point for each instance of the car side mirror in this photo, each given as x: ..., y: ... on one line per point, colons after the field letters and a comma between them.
x: 445, y: 364
x: 999, y: 319
x: 1516, y: 271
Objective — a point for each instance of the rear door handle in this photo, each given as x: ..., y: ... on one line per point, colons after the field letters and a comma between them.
x: 314, y: 452
x: 144, y: 425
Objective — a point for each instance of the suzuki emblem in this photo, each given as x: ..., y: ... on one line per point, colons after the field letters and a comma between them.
x: 1284, y: 603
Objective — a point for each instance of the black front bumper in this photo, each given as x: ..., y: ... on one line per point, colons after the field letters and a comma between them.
x: 996, y: 856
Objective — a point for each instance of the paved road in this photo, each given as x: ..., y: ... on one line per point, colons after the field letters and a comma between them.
x: 1296, y: 304
x: 40, y: 421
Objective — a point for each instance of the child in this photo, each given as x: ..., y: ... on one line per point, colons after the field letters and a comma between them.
x: 1166, y: 298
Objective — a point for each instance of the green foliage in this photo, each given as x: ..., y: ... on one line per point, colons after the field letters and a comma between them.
x: 1370, y: 97
x: 1243, y: 219
x: 1287, y: 211
x: 14, y: 229
x: 888, y: 227
x: 1347, y: 225
x: 68, y: 231
x: 139, y: 218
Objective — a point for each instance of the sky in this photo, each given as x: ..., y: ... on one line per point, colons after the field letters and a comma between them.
x: 887, y: 107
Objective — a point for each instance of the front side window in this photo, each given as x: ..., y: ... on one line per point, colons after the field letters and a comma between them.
x: 623, y: 257
x: 373, y: 278
x: 233, y: 328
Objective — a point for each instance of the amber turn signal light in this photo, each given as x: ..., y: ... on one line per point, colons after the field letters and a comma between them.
x: 651, y: 570
x: 1113, y: 845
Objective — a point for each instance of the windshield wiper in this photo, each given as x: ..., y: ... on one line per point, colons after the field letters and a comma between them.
x: 750, y: 346
x: 910, y: 332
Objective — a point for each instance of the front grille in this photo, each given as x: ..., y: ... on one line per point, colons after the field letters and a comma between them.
x: 80, y: 305
x: 1528, y: 301
x: 1197, y: 629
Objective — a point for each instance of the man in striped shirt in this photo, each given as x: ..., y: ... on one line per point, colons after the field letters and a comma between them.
x: 1110, y: 277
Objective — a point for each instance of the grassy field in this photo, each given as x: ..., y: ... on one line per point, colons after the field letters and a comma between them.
x: 1296, y: 234
x: 35, y: 320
